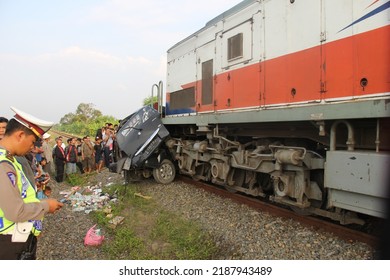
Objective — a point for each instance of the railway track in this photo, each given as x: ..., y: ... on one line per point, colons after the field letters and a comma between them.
x: 338, y: 230
x: 63, y: 134
x: 343, y: 232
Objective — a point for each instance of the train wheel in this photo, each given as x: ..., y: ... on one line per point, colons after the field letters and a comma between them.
x: 236, y: 177
x: 318, y: 177
x: 265, y: 182
x: 166, y: 173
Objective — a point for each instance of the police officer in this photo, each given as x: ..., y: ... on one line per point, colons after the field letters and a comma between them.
x: 21, y: 213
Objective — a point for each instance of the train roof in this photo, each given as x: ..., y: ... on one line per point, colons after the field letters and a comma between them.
x: 228, y: 13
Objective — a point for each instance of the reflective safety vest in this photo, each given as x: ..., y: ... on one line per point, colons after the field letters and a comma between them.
x: 27, y: 192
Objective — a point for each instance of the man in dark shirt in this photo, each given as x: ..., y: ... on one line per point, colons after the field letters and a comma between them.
x: 59, y: 155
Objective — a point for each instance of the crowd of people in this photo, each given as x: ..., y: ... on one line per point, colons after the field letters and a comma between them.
x: 29, y: 160
x: 85, y: 155
x: 81, y: 156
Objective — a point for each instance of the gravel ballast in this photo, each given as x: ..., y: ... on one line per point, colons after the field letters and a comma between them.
x: 244, y: 233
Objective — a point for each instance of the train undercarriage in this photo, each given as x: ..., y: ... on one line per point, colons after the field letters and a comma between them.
x: 283, y: 163
x: 333, y: 168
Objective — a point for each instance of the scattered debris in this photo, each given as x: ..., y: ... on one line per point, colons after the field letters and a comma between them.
x: 93, y: 237
x: 116, y: 221
x: 87, y: 199
x: 92, y: 198
x: 143, y: 196
x: 107, y: 210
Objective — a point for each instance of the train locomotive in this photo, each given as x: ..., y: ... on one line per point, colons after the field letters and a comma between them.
x: 287, y: 100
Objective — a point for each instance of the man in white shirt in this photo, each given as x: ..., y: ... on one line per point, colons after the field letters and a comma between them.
x: 47, y: 154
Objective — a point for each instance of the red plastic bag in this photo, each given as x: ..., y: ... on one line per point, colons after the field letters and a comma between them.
x: 93, y: 237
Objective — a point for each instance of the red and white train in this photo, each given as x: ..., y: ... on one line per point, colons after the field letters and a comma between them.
x: 283, y: 99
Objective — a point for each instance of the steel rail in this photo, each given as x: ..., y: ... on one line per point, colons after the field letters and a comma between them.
x: 343, y: 232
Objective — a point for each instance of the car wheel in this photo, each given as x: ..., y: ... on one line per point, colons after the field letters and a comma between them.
x: 165, y: 173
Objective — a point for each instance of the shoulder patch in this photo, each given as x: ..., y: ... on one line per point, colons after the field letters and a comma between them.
x: 12, y: 178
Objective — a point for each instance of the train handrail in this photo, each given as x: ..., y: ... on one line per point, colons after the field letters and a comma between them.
x: 160, y: 96
x: 351, y: 135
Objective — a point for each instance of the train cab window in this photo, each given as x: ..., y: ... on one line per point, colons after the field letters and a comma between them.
x: 235, y: 46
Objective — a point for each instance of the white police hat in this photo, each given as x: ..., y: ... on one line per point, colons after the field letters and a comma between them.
x: 39, y: 127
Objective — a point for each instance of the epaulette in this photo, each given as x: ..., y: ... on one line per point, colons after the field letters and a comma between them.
x: 9, y: 156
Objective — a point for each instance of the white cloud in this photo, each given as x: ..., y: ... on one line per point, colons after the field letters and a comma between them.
x: 138, y: 60
x: 75, y: 53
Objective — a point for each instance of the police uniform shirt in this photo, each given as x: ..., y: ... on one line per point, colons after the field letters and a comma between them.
x: 11, y: 201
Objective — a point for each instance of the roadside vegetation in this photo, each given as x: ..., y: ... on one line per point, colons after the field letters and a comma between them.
x: 86, y: 119
x: 149, y: 232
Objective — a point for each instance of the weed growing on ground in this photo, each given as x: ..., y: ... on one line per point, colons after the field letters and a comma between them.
x: 187, y: 239
x: 149, y: 232
x: 77, y: 179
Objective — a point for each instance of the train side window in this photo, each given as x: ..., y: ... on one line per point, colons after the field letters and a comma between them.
x: 235, y: 47
x: 207, y: 82
x: 183, y: 99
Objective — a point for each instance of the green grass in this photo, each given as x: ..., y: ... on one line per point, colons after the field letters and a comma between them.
x: 151, y: 233
x: 77, y: 179
x: 125, y: 245
x: 188, y: 241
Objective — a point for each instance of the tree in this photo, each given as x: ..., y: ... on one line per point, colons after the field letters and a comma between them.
x: 87, y: 112
x: 148, y: 100
x: 85, y: 121
x: 84, y: 113
x: 67, y: 119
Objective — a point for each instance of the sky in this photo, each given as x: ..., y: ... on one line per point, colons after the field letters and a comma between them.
x: 55, y: 55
